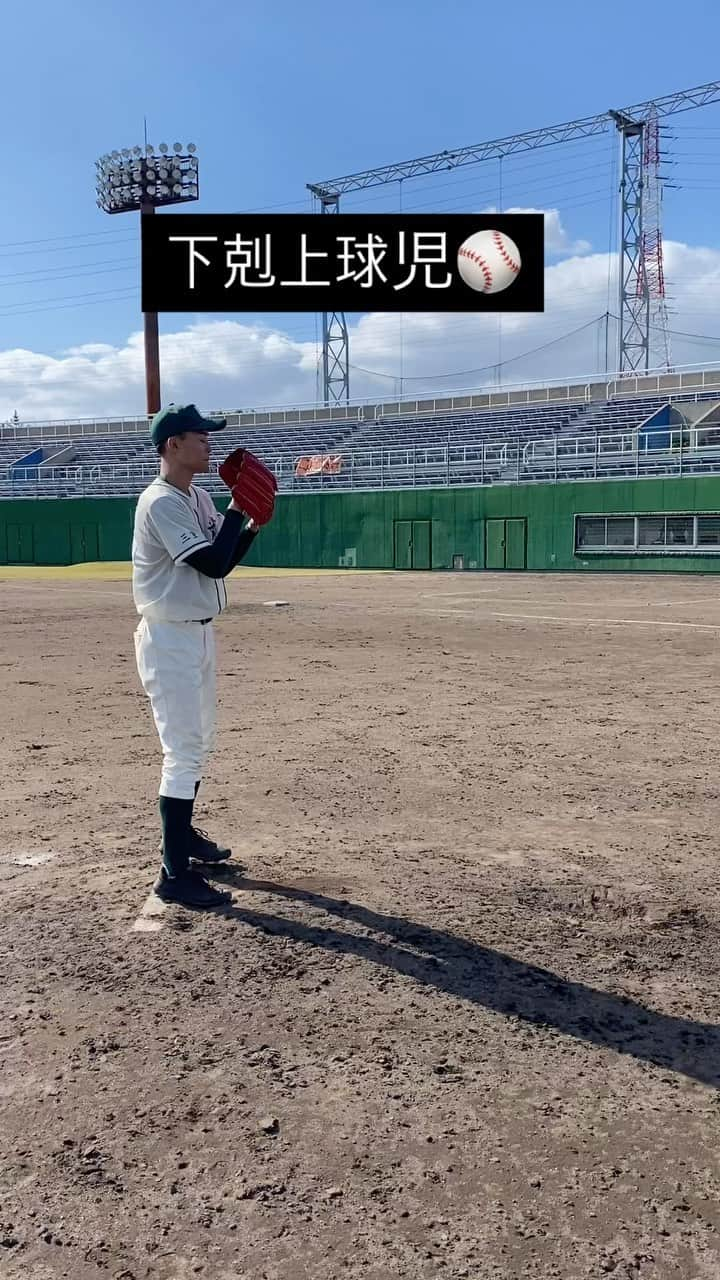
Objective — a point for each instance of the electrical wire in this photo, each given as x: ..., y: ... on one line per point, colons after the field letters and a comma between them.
x: 677, y: 333
x: 482, y: 195
x: 86, y: 269
x: 535, y: 175
x: 68, y: 248
x: 536, y: 160
x: 80, y: 235
x: 17, y: 309
x: 466, y: 373
x: 542, y: 162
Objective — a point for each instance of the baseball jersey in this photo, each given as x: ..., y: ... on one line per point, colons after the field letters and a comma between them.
x: 169, y: 526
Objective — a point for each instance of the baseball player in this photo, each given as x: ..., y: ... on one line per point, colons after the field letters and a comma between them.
x: 182, y: 551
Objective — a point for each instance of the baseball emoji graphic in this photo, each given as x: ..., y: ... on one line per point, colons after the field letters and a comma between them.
x: 488, y: 261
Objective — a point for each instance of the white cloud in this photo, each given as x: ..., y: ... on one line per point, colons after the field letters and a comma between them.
x: 233, y: 364
x: 557, y: 239
x: 91, y: 348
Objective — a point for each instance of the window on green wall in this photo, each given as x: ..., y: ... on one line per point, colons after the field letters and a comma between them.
x: 651, y: 531
x: 621, y: 532
x: 709, y: 531
x: 680, y: 530
x: 590, y: 532
x: 648, y: 534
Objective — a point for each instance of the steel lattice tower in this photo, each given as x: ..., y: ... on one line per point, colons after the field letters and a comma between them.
x: 652, y: 243
x: 633, y: 297
x: 634, y: 291
x: 336, y: 350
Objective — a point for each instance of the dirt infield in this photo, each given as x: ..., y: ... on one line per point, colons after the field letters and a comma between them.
x: 462, y: 1018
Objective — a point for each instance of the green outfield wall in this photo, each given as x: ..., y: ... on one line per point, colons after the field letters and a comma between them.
x: 510, y: 527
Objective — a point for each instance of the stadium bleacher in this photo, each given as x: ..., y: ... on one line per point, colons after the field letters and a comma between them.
x: 464, y: 446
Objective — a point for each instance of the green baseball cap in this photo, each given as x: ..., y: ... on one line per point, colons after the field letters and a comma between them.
x: 176, y: 418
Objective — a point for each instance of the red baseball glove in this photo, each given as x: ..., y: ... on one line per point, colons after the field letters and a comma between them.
x: 252, y: 485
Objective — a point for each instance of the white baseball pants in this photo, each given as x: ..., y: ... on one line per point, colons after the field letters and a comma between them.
x: 176, y: 664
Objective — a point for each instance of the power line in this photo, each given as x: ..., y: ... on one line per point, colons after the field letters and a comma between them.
x: 69, y: 248
x: 80, y: 235
x: 86, y: 269
x: 677, y: 333
x: 466, y: 373
x: 89, y: 235
x: 377, y: 194
x: 554, y: 182
x: 62, y: 242
x: 17, y: 309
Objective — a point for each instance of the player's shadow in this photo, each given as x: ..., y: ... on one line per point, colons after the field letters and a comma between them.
x: 499, y: 982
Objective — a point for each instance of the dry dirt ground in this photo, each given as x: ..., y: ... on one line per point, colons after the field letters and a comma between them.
x: 462, y: 1018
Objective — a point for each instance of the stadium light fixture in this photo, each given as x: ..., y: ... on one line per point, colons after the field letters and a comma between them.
x: 142, y: 180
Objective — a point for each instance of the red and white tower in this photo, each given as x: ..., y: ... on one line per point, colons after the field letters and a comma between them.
x: 651, y: 277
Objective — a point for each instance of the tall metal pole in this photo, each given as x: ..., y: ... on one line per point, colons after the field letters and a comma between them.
x: 633, y: 297
x: 152, y: 349
x: 336, y: 354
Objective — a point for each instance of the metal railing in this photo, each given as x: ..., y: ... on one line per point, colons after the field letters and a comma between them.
x: 63, y: 429
x: 670, y: 451
x: 586, y: 388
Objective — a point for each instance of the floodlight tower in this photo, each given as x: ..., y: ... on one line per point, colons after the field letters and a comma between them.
x: 144, y: 179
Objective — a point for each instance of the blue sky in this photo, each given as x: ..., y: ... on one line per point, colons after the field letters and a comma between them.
x: 276, y: 95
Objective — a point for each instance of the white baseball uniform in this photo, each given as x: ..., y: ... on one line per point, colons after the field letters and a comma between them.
x: 174, y: 641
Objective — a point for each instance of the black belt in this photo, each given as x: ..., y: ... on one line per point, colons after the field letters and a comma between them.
x: 191, y: 622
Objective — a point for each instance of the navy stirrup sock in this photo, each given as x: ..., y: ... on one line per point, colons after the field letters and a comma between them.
x: 176, y: 818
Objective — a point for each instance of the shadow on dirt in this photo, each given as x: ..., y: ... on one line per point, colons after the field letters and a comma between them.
x: 498, y: 982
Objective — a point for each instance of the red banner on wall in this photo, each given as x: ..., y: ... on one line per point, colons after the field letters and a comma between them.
x: 317, y: 463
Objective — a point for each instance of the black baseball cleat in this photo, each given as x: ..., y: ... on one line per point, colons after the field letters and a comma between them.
x: 189, y: 889
x: 203, y: 849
